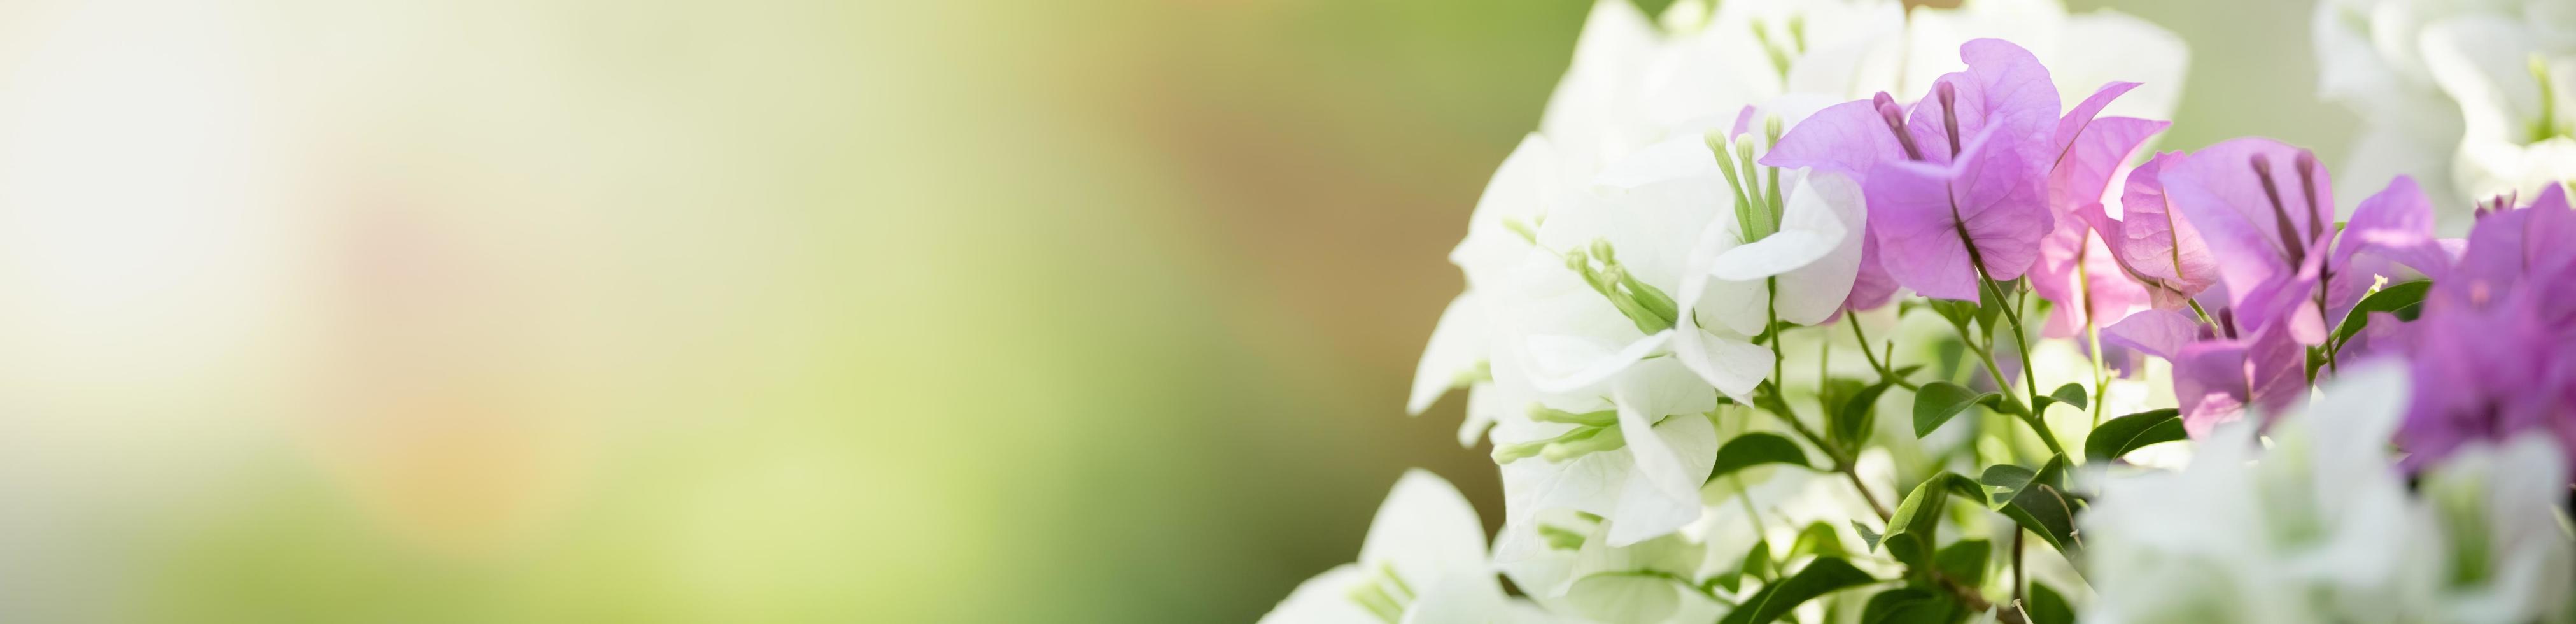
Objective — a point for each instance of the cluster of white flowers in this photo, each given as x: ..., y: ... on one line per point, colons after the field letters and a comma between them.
x: 2473, y: 98
x: 1630, y: 270
x: 2317, y: 528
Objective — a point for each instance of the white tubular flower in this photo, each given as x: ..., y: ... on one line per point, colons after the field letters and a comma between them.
x: 1423, y: 562
x: 2321, y: 527
x: 2516, y: 89
x: 1812, y: 245
x: 1756, y: 50
x: 2510, y: 560
x: 2416, y: 77
x: 1610, y: 457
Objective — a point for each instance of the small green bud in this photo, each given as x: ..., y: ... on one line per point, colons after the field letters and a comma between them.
x: 2547, y: 126
x: 1666, y: 313
x: 1603, y: 418
x: 1560, y: 538
x: 1374, y: 598
x: 1482, y: 372
x: 1798, y: 32
x: 1508, y: 453
x: 1584, y: 441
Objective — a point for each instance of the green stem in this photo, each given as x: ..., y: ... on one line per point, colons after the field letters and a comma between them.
x: 1843, y: 461
x: 1884, y: 373
x: 2021, y: 346
x: 2092, y: 332
x: 1997, y: 370
x: 2205, y: 319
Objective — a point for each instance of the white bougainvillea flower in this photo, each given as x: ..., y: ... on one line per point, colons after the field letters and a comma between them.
x: 1756, y: 50
x: 1597, y: 109
x: 2321, y: 526
x: 2081, y: 51
x: 1457, y: 358
x: 1814, y: 248
x: 1501, y: 234
x: 2376, y: 58
x: 2498, y: 506
x: 1634, y: 456
x: 2516, y: 89
x: 1423, y: 562
x: 1578, y: 572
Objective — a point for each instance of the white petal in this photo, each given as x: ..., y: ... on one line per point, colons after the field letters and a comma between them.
x: 1426, y: 530
x: 1812, y: 293
x: 1625, y: 598
x: 1539, y: 568
x: 1663, y: 495
x: 1579, y: 363
x: 1732, y: 365
x: 2483, y: 62
x: 1459, y: 599
x: 1813, y: 224
x: 1656, y: 461
x: 2354, y: 417
x: 1682, y: 157
x: 2107, y: 45
x: 1457, y: 347
x: 1485, y: 404
x: 1617, y: 41
x: 1660, y: 387
x: 1324, y: 599
x: 1529, y: 181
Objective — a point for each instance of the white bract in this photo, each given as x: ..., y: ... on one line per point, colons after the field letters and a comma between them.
x: 2321, y: 526
x: 2450, y: 92
x: 1423, y: 562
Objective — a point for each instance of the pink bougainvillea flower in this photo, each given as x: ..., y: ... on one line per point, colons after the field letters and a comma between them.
x: 2151, y: 243
x: 1956, y: 185
x: 2494, y: 353
x: 2217, y: 380
x: 2076, y: 270
x: 2264, y: 207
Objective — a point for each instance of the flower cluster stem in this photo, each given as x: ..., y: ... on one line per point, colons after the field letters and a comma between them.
x: 2021, y: 344
x: 1844, y: 461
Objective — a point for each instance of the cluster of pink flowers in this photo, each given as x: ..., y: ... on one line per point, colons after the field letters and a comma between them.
x: 2226, y: 261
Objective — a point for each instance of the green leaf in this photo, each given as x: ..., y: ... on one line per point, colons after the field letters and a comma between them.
x: 1989, y: 309
x: 1965, y: 561
x: 1727, y: 580
x: 2118, y: 436
x: 1754, y: 449
x: 2008, y: 478
x: 2398, y: 299
x: 2070, y: 394
x: 1958, y: 312
x: 1823, y: 576
x: 1818, y: 539
x: 2040, y: 503
x: 1910, y: 605
x: 1757, y: 562
x: 1867, y: 537
x: 1854, y: 418
x: 1910, y: 534
x: 2047, y: 606
x: 1938, y: 401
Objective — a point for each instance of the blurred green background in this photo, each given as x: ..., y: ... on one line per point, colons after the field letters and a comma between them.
x: 767, y: 311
